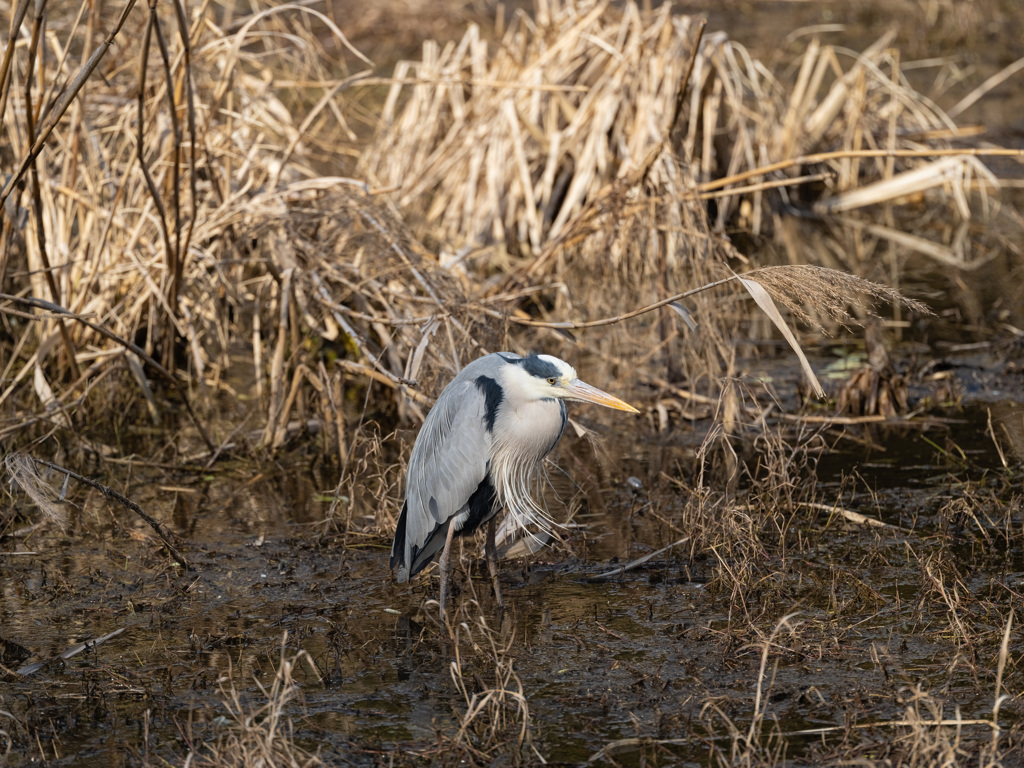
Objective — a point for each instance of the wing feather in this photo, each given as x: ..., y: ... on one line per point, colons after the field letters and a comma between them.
x: 449, y: 462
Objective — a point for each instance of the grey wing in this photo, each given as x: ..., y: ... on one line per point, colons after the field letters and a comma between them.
x: 448, y: 464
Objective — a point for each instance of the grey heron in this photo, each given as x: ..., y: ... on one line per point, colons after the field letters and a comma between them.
x: 479, y: 450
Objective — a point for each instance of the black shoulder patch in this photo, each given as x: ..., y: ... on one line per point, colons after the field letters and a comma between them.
x: 542, y: 369
x: 492, y: 399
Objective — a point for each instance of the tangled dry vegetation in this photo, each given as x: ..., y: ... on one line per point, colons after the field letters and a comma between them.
x: 169, y: 229
x: 178, y: 237
x: 256, y: 734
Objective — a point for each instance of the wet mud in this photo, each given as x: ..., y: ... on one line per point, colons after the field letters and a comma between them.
x: 665, y: 658
x: 780, y: 615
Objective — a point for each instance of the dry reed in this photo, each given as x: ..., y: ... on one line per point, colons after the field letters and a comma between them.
x: 587, y: 120
x: 261, y: 734
x: 179, y: 201
x: 497, y: 716
x: 194, y: 222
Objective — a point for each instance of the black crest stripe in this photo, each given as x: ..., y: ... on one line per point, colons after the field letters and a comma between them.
x: 542, y: 369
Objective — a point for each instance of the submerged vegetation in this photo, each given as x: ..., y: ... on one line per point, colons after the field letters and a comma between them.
x: 243, y: 247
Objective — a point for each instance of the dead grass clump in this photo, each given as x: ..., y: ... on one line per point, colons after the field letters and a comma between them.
x: 496, y: 723
x: 261, y: 734
x: 574, y: 155
x: 508, y: 142
x: 926, y: 735
x: 874, y: 388
x: 746, y: 527
x: 368, y: 497
x: 923, y: 744
x: 511, y: 143
x: 761, y: 742
x: 584, y: 110
x: 333, y: 279
x: 780, y: 475
x: 923, y: 733
x: 190, y: 228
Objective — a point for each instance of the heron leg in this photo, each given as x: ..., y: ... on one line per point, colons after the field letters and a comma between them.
x: 443, y: 566
x: 491, y: 552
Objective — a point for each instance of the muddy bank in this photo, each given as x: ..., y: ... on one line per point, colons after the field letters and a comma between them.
x: 840, y: 623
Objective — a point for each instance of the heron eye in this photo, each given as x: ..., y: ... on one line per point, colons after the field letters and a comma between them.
x: 552, y: 380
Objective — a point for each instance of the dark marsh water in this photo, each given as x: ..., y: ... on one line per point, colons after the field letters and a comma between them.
x: 642, y: 655
x: 671, y: 650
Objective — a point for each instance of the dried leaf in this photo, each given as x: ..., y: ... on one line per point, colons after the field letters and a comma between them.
x: 764, y: 301
x: 684, y: 313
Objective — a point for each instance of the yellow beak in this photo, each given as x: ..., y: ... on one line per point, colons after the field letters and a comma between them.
x: 580, y: 390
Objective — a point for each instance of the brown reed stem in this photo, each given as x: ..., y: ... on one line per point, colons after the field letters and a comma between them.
x: 5, y: 67
x: 63, y: 102
x: 822, y: 157
x: 140, y: 144
x: 37, y: 200
x: 190, y: 105
x: 175, y: 262
x: 685, y: 81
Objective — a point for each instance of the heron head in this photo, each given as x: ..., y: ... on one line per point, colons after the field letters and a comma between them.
x: 550, y: 377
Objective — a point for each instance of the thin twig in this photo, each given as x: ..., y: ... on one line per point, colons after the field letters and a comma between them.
x: 186, y: 50
x: 37, y: 201
x: 627, y: 315
x: 5, y: 67
x: 140, y: 143
x: 119, y: 497
x: 62, y: 104
x: 167, y: 375
x: 822, y: 157
x: 636, y: 563
x: 685, y: 80
x: 175, y: 256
